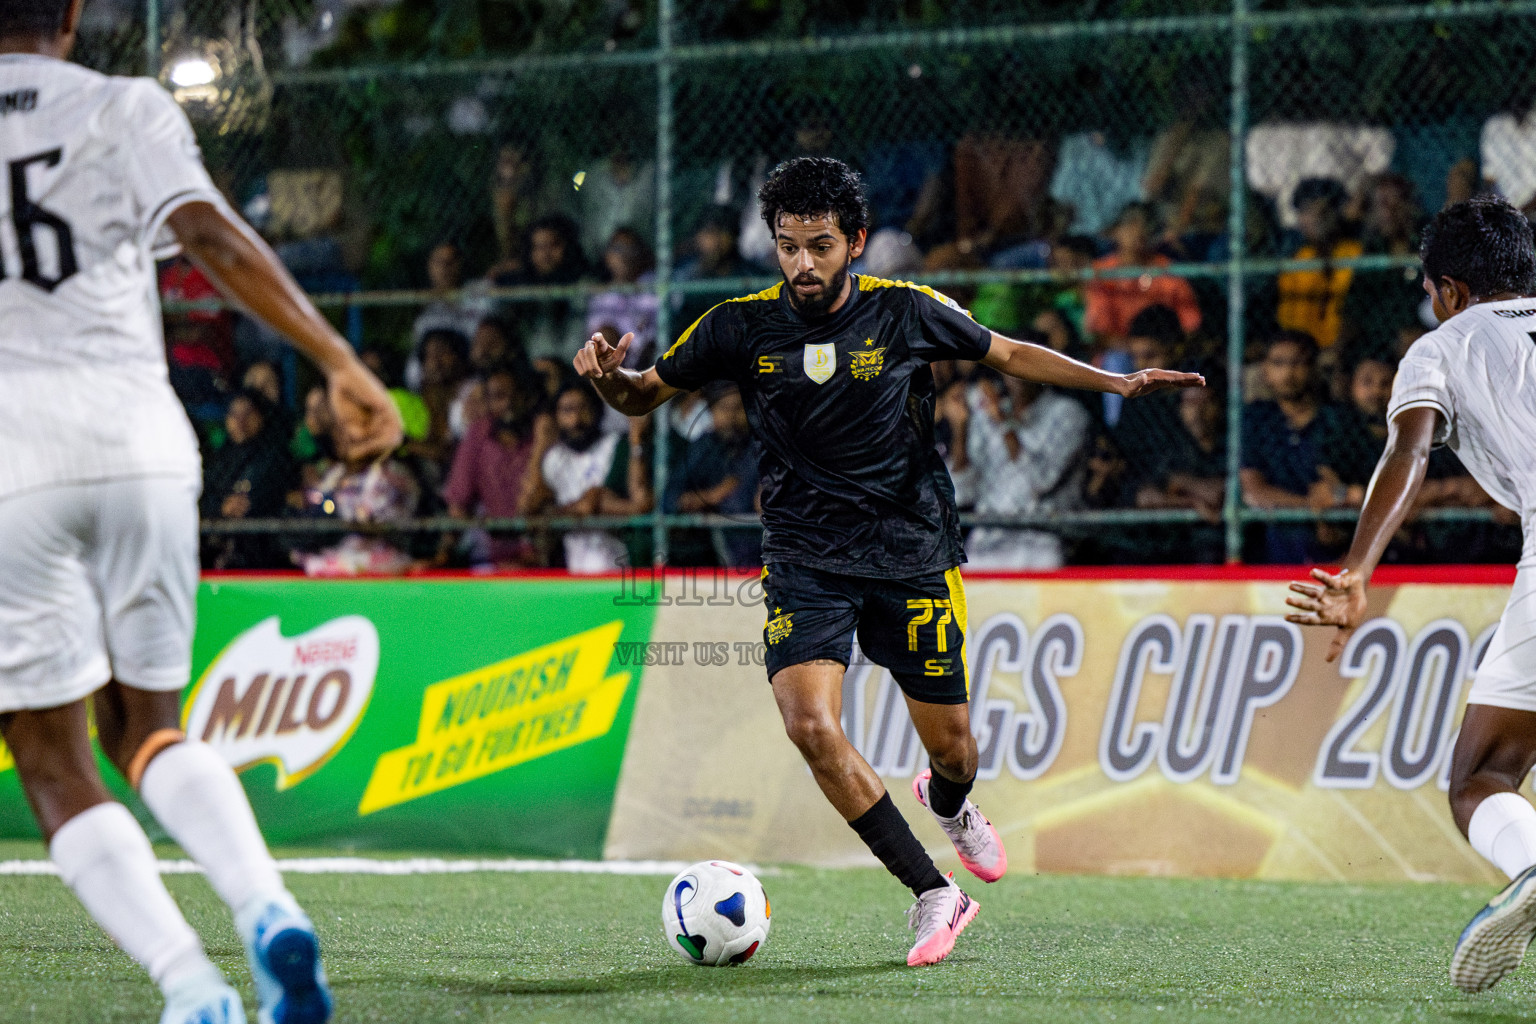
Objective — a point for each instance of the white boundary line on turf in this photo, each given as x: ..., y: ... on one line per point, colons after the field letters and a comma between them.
x: 411, y: 866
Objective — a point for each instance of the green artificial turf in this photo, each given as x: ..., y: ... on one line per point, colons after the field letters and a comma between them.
x: 588, y: 949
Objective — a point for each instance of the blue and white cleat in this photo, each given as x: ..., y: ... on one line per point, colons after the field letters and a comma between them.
x: 1494, y: 943
x: 206, y: 999
x: 284, y: 954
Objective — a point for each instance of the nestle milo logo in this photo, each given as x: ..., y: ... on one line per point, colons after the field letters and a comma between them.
x: 288, y: 701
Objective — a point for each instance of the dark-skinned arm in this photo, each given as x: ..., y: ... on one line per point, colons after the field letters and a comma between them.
x: 1047, y: 366
x: 632, y: 393
x: 246, y: 271
x: 1339, y: 599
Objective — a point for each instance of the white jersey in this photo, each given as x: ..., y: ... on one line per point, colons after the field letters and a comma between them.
x: 570, y: 474
x: 94, y: 165
x: 1478, y: 369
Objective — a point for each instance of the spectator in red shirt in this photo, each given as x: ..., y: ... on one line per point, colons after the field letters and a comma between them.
x: 1114, y: 302
x: 200, y: 344
x: 498, y: 461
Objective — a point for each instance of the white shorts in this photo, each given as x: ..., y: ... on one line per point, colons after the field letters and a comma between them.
x: 1507, y: 676
x: 97, y: 581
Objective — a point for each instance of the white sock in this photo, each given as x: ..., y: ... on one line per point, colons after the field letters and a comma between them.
x: 105, y: 857
x: 198, y: 799
x: 1503, y: 829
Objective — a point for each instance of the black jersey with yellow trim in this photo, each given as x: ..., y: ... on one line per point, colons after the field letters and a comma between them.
x: 842, y: 410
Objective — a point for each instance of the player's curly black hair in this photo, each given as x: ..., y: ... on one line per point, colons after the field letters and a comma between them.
x: 32, y: 17
x: 810, y: 185
x: 1483, y: 242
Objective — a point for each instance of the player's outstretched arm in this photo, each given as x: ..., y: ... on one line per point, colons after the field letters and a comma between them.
x: 1339, y: 599
x: 246, y: 271
x: 633, y: 394
x: 1047, y: 366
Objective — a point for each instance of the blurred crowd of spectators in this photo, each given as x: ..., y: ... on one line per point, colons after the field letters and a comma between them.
x: 497, y: 426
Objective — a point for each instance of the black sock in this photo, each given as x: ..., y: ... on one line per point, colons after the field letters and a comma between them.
x: 946, y: 797
x: 890, y: 838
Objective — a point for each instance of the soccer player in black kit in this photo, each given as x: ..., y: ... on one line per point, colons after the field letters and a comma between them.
x: 860, y: 534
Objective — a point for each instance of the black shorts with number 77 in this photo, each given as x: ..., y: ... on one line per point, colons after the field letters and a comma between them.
x: 913, y: 626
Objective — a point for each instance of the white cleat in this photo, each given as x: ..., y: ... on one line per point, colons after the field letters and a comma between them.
x: 284, y: 955
x: 938, y: 917
x: 206, y: 999
x: 1494, y: 942
x: 976, y: 841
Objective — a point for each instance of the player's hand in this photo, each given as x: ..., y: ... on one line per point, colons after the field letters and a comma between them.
x: 367, y: 423
x: 597, y: 358
x: 1145, y: 382
x: 1331, y: 601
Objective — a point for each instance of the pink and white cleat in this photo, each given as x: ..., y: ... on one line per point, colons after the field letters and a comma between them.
x: 976, y: 841
x: 938, y: 917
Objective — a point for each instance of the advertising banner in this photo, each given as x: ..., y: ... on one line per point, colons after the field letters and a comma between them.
x: 1167, y: 727
x: 1132, y: 726
x: 465, y: 714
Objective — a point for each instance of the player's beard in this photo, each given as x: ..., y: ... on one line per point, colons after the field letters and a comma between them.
x: 812, y: 308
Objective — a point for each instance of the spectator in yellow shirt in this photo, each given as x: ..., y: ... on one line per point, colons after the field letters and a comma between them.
x: 1312, y: 300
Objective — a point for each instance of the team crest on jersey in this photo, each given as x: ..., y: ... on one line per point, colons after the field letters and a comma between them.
x: 780, y: 626
x: 820, y: 361
x: 868, y: 363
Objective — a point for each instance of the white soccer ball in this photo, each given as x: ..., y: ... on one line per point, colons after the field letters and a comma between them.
x: 715, y: 913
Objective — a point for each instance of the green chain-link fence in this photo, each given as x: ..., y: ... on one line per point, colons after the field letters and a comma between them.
x: 1054, y: 165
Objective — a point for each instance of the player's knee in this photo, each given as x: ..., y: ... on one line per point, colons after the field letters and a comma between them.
x: 957, y: 764
x: 953, y: 751
x: 816, y: 733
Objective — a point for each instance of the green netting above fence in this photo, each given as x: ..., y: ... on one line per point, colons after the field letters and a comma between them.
x: 1000, y: 143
